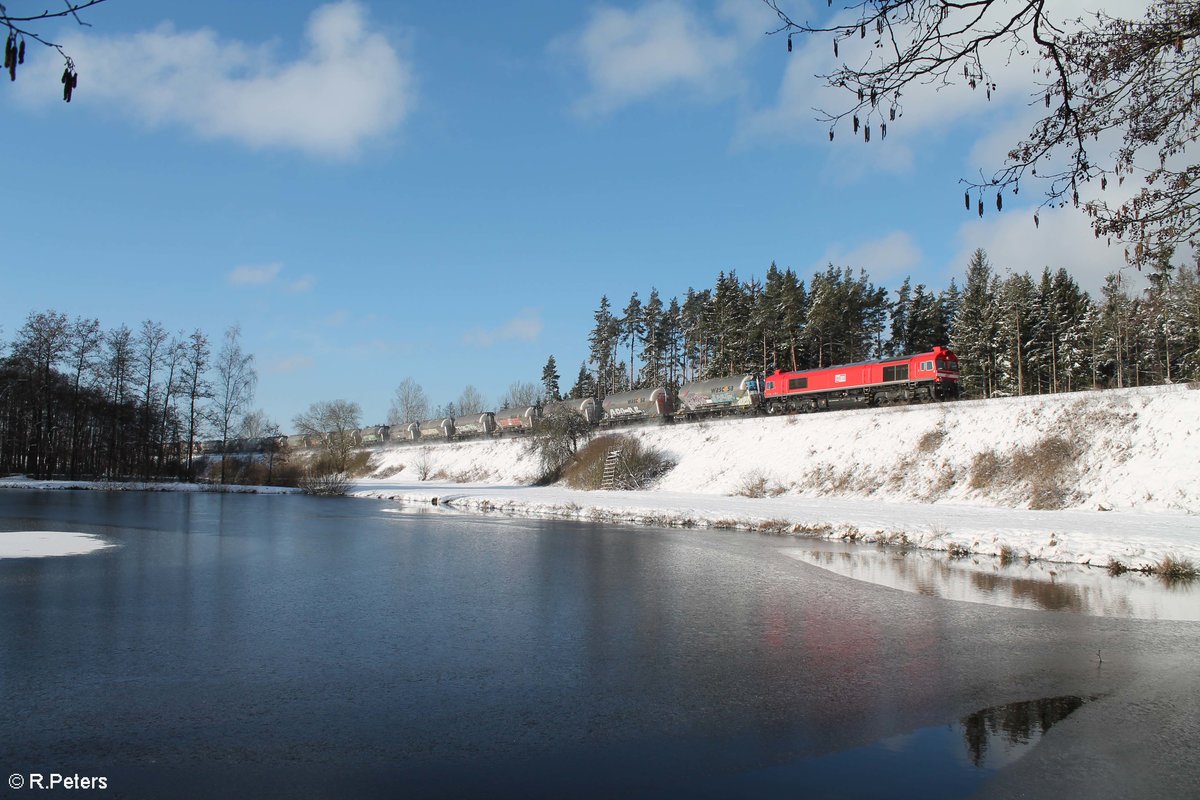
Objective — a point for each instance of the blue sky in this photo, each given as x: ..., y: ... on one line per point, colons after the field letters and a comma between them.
x: 375, y: 190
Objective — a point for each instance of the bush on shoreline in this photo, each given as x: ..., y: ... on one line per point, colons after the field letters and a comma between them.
x: 638, y: 465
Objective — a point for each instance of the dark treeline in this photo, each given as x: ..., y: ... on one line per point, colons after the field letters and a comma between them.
x: 1015, y: 333
x: 78, y: 401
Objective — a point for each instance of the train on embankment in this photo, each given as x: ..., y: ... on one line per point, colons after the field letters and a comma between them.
x: 923, y: 377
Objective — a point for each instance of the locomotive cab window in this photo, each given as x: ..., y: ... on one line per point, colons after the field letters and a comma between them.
x: 896, y: 372
x: 798, y: 383
x: 926, y: 366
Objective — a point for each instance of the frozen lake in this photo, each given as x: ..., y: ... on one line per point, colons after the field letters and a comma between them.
x: 284, y: 646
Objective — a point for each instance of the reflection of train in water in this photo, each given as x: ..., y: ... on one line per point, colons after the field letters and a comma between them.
x: 905, y: 379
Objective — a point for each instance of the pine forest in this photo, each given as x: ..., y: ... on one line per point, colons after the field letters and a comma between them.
x: 1015, y: 334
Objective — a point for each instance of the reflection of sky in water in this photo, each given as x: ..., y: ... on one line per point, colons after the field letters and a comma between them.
x: 1038, y: 585
x: 939, y: 761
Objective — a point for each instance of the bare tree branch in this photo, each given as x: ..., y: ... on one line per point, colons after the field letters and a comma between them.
x: 20, y: 28
x: 1100, y: 77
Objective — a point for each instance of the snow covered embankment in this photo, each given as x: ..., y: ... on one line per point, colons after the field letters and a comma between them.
x: 1070, y: 477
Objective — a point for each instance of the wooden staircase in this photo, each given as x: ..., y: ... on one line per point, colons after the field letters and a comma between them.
x: 611, y: 463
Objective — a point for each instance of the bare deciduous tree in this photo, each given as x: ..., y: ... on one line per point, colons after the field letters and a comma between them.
x: 556, y: 442
x: 118, y: 371
x: 423, y: 464
x: 42, y: 342
x: 520, y: 393
x: 470, y: 401
x: 86, y: 339
x: 195, y: 384
x: 173, y: 364
x: 257, y: 427
x: 88, y: 415
x: 333, y: 422
x: 151, y: 346
x: 409, y: 404
x: 234, y: 386
x: 1117, y: 94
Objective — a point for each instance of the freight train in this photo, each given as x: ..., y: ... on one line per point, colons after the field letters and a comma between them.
x: 924, y: 377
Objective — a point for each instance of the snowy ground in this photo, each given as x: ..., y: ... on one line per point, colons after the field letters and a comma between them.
x: 1121, y: 469
x: 1088, y: 537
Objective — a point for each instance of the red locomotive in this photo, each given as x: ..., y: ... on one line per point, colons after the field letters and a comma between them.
x: 904, y: 379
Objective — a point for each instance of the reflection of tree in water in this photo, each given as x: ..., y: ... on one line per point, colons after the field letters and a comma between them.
x: 1077, y: 588
x: 1019, y: 723
x: 1050, y: 596
x: 922, y: 573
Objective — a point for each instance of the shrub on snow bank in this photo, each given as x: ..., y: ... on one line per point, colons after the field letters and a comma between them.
x: 638, y: 465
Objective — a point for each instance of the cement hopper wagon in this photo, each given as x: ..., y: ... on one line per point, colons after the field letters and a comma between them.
x: 726, y: 395
x: 440, y: 428
x: 518, y: 419
x: 588, y: 408
x: 479, y: 424
x: 640, y: 404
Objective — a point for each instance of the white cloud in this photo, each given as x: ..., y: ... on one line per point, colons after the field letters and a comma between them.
x: 1063, y: 239
x: 750, y: 20
x: 661, y: 47
x: 336, y: 319
x: 800, y: 94
x: 525, y: 327
x: 372, y: 348
x: 292, y: 364
x: 304, y: 283
x: 254, y: 275
x: 350, y: 86
x: 893, y: 255
x: 930, y: 115
x: 269, y: 275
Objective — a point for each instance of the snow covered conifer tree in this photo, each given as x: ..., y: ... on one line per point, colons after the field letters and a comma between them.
x: 602, y: 342
x: 1115, y: 321
x: 632, y: 328
x: 976, y: 328
x: 898, y: 343
x: 652, y: 340
x: 1017, y: 299
x: 550, y: 380
x: 585, y: 384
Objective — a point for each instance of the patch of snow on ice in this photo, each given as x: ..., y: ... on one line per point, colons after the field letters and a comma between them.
x: 38, y: 544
